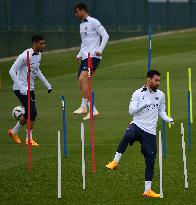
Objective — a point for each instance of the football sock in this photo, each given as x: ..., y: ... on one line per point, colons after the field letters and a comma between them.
x: 30, y: 134
x: 17, y: 127
x: 147, y: 185
x: 117, y: 157
x: 84, y: 102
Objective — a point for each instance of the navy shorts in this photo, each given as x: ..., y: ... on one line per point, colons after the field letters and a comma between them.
x: 147, y: 140
x: 24, y: 101
x: 84, y: 65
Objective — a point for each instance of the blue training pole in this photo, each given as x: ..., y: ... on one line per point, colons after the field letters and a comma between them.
x: 189, y: 123
x: 149, y: 66
x: 164, y: 138
x: 149, y: 47
x: 64, y: 126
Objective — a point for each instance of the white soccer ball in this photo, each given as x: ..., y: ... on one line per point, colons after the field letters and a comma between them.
x: 17, y: 112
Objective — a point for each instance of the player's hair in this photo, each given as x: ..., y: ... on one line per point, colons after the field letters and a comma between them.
x: 37, y: 38
x: 151, y: 73
x: 80, y: 6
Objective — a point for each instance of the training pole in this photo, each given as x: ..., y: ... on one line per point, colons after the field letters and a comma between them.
x: 59, y: 165
x: 83, y: 159
x: 149, y: 47
x: 189, y: 122
x: 91, y: 114
x: 164, y: 139
x: 190, y: 90
x: 168, y: 97
x: 189, y: 109
x: 29, y: 115
x: 160, y: 165
x: 184, y: 157
x: 64, y: 126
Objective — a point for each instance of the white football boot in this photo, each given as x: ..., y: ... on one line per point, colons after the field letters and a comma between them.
x: 95, y: 114
x: 80, y: 111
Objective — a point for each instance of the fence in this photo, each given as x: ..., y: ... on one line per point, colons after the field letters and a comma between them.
x: 19, y: 20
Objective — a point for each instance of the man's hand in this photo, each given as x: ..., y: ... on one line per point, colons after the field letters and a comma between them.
x: 171, y: 121
x: 78, y: 60
x: 98, y: 53
x: 23, y: 91
x: 50, y: 90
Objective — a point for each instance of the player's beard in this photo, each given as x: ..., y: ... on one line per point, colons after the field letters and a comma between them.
x: 41, y: 50
x: 154, y: 88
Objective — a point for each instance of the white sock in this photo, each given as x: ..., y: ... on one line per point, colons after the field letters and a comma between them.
x: 147, y: 185
x: 17, y: 127
x: 84, y: 102
x: 94, y: 108
x: 117, y: 157
x: 30, y: 134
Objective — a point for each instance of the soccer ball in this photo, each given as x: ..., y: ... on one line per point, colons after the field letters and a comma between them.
x: 17, y: 112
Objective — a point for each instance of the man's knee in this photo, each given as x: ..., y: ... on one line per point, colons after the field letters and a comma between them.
x: 129, y: 137
x: 83, y: 80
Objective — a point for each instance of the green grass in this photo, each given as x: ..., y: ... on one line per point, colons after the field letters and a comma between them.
x: 121, y: 72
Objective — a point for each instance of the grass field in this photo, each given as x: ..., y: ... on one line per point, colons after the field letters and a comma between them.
x: 122, y: 71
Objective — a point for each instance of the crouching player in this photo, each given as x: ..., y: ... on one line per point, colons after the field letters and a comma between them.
x: 18, y: 73
x: 146, y: 104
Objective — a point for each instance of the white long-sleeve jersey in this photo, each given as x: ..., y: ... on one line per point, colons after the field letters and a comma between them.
x: 94, y: 38
x: 146, y: 106
x: 19, y: 71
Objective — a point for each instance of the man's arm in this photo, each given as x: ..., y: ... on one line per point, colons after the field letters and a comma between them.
x: 103, y: 33
x: 19, y: 62
x: 162, y: 113
x: 78, y: 57
x: 135, y: 105
x: 43, y: 79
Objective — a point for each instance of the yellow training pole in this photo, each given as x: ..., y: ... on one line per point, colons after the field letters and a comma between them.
x: 190, y: 90
x: 168, y: 97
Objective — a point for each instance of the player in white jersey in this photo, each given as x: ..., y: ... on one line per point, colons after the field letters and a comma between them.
x: 94, y: 39
x: 147, y: 103
x: 18, y: 73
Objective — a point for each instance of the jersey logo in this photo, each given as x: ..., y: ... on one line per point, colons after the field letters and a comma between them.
x: 156, y: 98
x: 144, y: 89
x: 86, y: 28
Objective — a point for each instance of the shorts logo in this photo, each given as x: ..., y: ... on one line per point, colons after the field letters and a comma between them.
x: 86, y: 28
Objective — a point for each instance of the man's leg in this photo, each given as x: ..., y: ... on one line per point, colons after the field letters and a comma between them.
x: 33, y: 115
x: 14, y: 131
x: 83, y: 83
x: 149, y: 170
x: 95, y: 62
x: 19, y: 124
x: 83, y: 80
x: 130, y: 137
x: 148, y: 149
